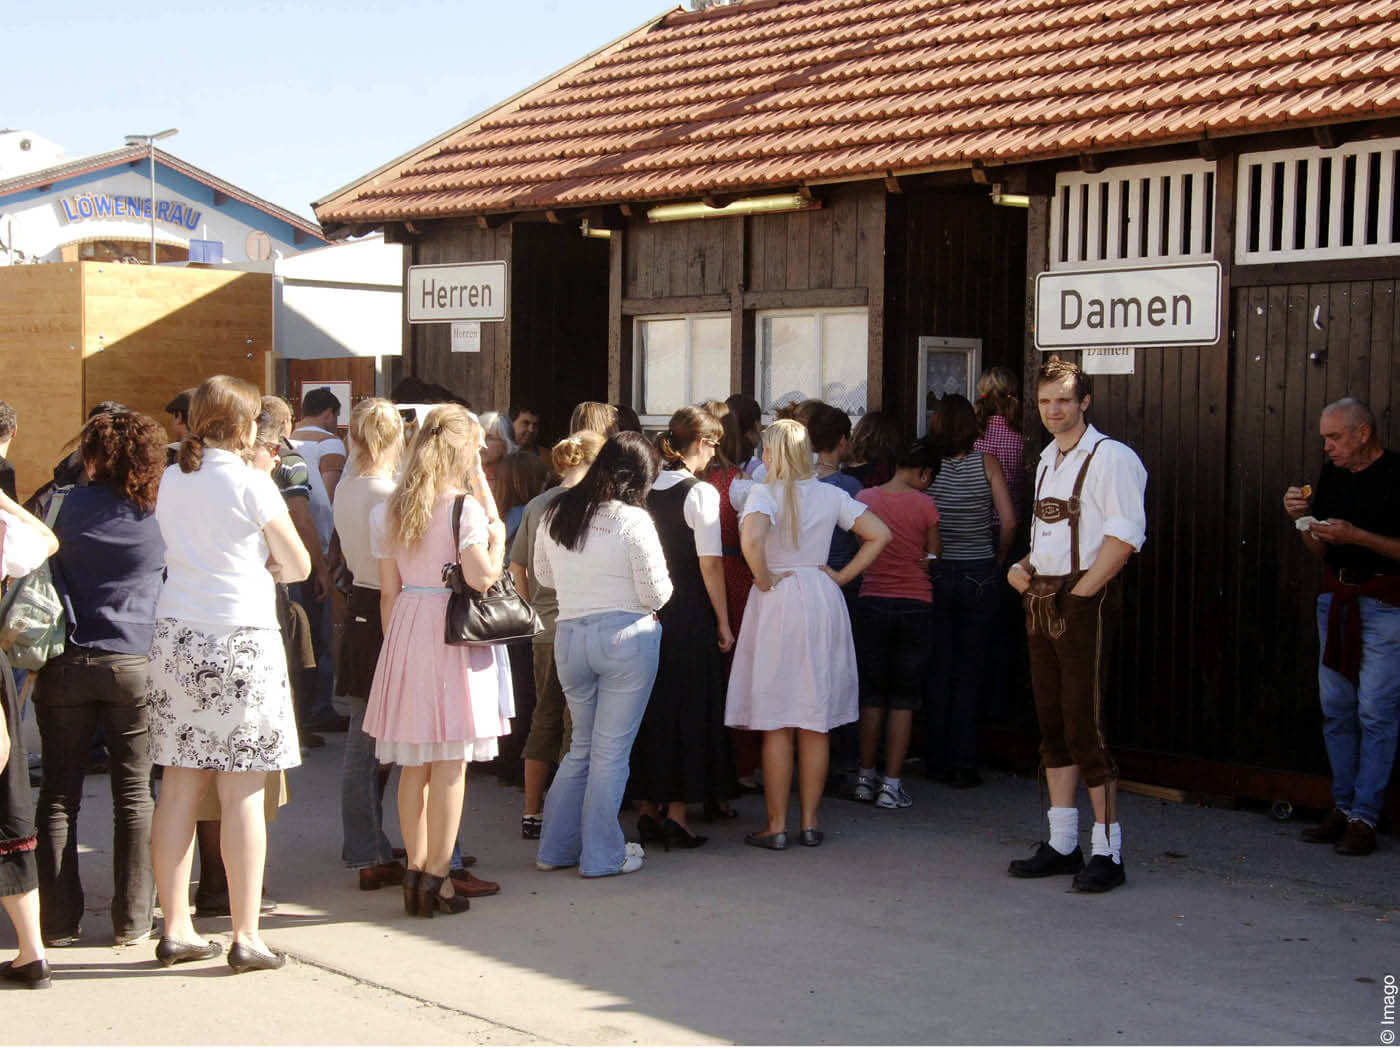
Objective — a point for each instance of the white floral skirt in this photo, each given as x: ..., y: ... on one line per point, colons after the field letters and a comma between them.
x: 219, y: 699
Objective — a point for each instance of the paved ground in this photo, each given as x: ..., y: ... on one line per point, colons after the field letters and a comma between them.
x: 903, y: 928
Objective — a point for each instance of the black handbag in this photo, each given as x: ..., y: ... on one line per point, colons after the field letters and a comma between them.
x: 493, y: 617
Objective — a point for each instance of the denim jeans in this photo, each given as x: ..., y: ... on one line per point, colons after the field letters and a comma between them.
x: 319, y: 615
x: 607, y: 664
x: 1359, y: 721
x: 79, y: 691
x: 966, y: 598
x: 361, y: 806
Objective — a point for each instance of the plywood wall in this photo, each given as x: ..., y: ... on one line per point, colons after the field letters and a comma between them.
x: 41, y: 338
x: 152, y: 332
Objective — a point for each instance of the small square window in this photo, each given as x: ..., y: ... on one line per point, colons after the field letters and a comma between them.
x: 681, y: 361
x: 813, y: 354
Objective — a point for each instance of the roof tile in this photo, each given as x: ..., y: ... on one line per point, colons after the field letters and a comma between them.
x: 761, y: 95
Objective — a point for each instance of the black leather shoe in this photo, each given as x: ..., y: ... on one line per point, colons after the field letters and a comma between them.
x: 170, y: 951
x: 1331, y: 830
x: 672, y: 834
x: 649, y: 830
x: 411, y: 881
x: 37, y: 974
x: 1100, y: 875
x: 1047, y: 860
x: 241, y: 959
x: 1359, y: 840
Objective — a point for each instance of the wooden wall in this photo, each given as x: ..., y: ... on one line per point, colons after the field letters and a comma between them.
x: 957, y: 269
x: 150, y: 332
x: 41, y: 339
x: 357, y: 371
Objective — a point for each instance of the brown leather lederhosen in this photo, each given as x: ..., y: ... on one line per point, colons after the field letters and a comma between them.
x: 1068, y: 640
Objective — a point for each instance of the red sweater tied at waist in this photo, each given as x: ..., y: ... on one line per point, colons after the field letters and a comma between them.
x: 1342, y: 653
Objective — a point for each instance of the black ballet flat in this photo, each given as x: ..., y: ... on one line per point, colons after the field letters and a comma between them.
x: 720, y: 811
x: 169, y: 951
x: 36, y: 974
x: 241, y: 959
x: 677, y: 836
x: 649, y: 829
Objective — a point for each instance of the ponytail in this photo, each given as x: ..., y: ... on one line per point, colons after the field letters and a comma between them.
x: 688, y: 425
x: 191, y: 454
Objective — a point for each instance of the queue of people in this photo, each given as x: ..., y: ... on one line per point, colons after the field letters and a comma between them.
x: 715, y: 604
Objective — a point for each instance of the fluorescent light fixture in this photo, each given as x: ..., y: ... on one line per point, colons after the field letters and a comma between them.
x: 594, y: 231
x: 744, y: 206
x: 1009, y: 200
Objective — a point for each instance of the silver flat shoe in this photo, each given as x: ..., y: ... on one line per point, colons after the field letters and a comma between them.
x: 811, y: 837
x: 777, y: 840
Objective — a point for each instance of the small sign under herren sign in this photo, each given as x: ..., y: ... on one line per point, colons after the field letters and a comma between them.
x: 456, y: 292
x: 1146, y: 306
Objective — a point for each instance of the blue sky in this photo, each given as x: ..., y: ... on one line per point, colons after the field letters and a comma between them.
x: 287, y: 100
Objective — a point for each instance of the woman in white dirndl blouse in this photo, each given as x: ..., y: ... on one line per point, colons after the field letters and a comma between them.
x: 794, y: 670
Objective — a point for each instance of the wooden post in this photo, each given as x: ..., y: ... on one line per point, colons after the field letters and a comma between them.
x: 619, y: 327
x: 1037, y: 260
x: 740, y: 337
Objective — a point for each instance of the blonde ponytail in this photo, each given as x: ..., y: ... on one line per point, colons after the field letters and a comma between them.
x: 791, y: 451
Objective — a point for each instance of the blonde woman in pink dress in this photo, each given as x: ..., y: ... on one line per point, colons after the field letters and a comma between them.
x: 435, y: 707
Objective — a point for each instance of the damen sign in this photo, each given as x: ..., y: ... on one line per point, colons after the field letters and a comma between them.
x: 1142, y: 306
x: 459, y: 292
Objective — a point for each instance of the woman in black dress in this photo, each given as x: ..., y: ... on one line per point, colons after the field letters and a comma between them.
x: 682, y: 752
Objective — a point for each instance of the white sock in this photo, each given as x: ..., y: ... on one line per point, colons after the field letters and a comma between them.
x: 892, y: 783
x: 1064, y: 829
x: 1109, y: 843
x: 867, y: 774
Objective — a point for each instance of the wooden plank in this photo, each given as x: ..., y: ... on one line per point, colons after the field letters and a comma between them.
x: 617, y: 271
x: 681, y: 304
x: 1339, y: 343
x: 1164, y: 794
x: 1037, y: 260
x: 1369, y: 269
x: 501, y: 353
x: 875, y: 276
x: 741, y: 378
x: 672, y: 258
x: 810, y: 299
x: 754, y: 267
x: 644, y: 247
x: 713, y: 258
x: 774, y: 250
x: 820, y: 249
x: 1359, y: 342
x: 845, y: 224
x: 799, y: 249
x: 1383, y: 347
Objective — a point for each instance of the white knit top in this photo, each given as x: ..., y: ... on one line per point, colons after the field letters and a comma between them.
x: 620, y: 566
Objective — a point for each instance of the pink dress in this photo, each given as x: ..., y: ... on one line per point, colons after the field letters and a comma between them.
x: 431, y: 701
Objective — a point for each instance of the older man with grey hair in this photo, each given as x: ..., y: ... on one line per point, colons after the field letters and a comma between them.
x: 1352, y: 523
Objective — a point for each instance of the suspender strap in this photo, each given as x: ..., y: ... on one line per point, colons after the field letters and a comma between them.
x: 1074, y: 513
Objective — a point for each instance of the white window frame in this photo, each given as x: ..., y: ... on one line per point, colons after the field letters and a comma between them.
x: 973, y: 349
x: 651, y: 420
x: 1100, y: 203
x: 1319, y: 241
x: 818, y: 314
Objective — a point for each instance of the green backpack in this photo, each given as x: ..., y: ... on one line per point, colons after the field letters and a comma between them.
x: 33, y: 626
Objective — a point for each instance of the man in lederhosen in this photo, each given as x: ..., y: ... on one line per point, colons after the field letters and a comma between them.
x: 1088, y: 520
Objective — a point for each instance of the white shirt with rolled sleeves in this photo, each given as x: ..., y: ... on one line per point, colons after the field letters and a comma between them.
x: 621, y: 565
x: 701, y: 511
x: 1111, y: 502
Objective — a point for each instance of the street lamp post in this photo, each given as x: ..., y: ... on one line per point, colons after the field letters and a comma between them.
x: 149, y: 141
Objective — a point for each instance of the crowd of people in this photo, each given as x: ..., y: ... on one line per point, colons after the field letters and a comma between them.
x: 723, y: 604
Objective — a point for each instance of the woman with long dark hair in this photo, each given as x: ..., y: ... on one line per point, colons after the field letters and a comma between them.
x: 598, y: 547
x: 110, y: 565
x: 682, y: 753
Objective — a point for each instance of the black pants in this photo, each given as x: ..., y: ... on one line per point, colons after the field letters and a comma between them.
x: 966, y: 597
x: 80, y: 690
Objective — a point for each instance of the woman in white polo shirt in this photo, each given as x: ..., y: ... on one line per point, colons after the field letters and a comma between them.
x: 220, y: 703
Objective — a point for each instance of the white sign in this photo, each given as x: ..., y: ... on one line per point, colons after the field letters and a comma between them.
x: 1109, y: 360
x: 466, y: 337
x: 1142, y: 306
x: 458, y: 292
x: 342, y: 392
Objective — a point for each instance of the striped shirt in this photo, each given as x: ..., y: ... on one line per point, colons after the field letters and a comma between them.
x: 964, y: 498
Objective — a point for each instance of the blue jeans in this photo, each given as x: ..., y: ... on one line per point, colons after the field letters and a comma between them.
x: 607, y: 664
x: 361, y: 806
x: 1359, y: 722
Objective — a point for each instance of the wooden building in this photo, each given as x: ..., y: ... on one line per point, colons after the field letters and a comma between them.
x: 855, y: 201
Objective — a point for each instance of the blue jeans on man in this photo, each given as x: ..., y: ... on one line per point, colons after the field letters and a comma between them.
x: 607, y: 663
x: 1360, y: 721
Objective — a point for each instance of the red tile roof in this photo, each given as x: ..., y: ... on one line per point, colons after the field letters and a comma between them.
x: 771, y: 93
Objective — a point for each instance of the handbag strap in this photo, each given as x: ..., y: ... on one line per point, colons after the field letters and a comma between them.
x: 55, y: 505
x: 457, y: 526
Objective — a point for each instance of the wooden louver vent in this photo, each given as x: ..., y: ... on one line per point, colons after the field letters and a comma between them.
x: 1305, y: 204
x: 1134, y: 215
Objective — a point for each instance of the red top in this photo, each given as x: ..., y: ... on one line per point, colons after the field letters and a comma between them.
x: 901, y: 570
x: 1009, y: 448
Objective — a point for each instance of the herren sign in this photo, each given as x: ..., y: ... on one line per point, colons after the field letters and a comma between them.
x: 1141, y: 306
x: 458, y: 292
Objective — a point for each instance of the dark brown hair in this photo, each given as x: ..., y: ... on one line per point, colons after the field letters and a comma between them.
x: 520, y: 477
x: 624, y: 471
x: 957, y: 426
x: 827, y: 425
x: 747, y: 415
x: 126, y: 452
x: 221, y: 411
x: 688, y: 425
x: 721, y: 461
x: 1055, y: 370
x: 875, y: 439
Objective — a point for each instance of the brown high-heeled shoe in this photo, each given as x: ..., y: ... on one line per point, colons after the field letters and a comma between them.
x: 430, y: 898
x: 411, y: 881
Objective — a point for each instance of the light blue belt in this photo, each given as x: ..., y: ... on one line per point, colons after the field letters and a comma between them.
x: 410, y: 589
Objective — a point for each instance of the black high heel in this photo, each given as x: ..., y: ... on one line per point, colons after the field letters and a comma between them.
x: 716, y: 810
x: 649, y: 829
x: 411, y: 880
x: 430, y: 900
x: 679, y: 837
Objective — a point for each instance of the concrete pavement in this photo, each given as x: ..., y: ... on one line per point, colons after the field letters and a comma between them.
x: 902, y: 928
